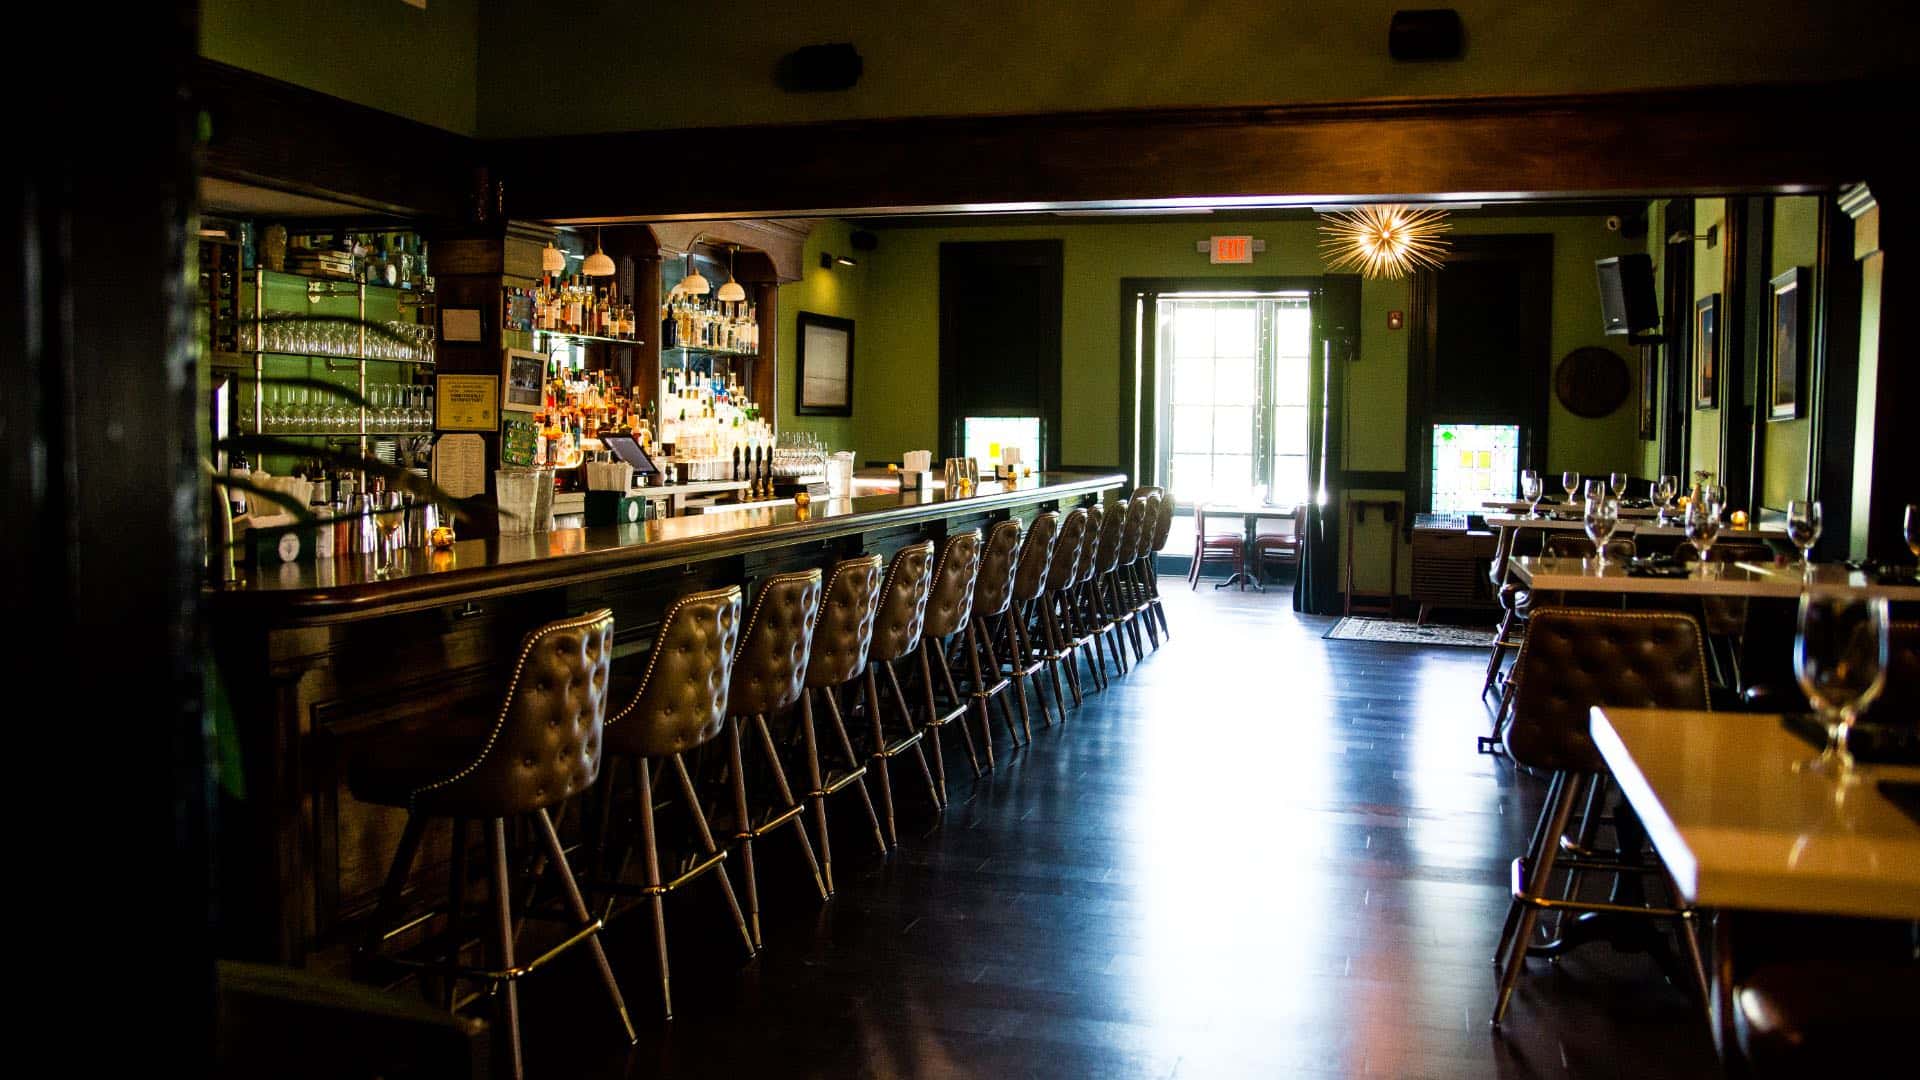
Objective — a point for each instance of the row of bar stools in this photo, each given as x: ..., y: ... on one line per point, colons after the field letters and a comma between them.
x: 842, y: 636
x: 1158, y: 528
x: 949, y: 615
x: 898, y: 621
x: 541, y: 748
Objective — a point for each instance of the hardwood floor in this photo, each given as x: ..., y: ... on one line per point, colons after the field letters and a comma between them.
x: 1258, y: 854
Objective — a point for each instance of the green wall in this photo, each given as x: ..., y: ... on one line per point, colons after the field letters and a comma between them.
x: 837, y: 292
x: 1796, y: 242
x: 898, y: 295
x: 1709, y: 276
x: 383, y: 53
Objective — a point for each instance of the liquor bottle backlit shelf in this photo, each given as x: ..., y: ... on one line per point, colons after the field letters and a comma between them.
x: 710, y: 426
x: 690, y: 323
x: 570, y: 306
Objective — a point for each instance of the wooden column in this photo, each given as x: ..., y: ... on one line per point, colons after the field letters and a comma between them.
x: 766, y: 377
x: 645, y: 386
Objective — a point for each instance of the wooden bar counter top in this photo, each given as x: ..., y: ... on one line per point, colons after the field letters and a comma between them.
x: 313, y: 657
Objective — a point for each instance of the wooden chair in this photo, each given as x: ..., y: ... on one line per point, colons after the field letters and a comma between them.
x: 1229, y: 548
x: 1276, y: 542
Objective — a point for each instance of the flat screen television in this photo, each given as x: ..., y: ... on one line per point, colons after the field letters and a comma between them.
x: 1627, y: 302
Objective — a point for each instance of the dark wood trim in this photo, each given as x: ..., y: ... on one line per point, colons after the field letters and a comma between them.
x: 1139, y: 412
x: 277, y: 135
x: 1743, y: 431
x: 1836, y: 378
x: 1897, y: 385
x: 1679, y: 141
x: 1676, y: 411
x: 1374, y: 480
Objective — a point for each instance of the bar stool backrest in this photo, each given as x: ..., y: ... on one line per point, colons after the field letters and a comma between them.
x: 902, y: 612
x: 1109, y: 551
x: 1144, y: 547
x: 994, y: 591
x: 950, y: 601
x: 1130, y: 530
x: 1031, y: 576
x: 1163, y: 522
x: 770, y: 668
x: 1065, y: 567
x: 682, y: 699
x: 844, y: 631
x: 1090, y: 543
x: 1575, y: 658
x: 544, y: 747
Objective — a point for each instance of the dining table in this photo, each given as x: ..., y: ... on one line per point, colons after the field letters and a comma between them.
x: 1545, y: 574
x: 1250, y: 514
x: 1571, y: 508
x: 1742, y: 823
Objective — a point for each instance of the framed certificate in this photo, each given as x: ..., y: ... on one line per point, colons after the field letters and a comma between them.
x: 466, y: 403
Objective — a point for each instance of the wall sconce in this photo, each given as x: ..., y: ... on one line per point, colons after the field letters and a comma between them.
x: 1711, y: 236
x: 828, y: 260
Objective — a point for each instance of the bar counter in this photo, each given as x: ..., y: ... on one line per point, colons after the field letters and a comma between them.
x: 315, y: 656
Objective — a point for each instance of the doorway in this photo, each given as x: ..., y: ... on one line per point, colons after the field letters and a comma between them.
x: 1000, y: 309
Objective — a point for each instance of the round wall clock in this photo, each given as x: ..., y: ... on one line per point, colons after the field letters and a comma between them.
x: 1592, y: 382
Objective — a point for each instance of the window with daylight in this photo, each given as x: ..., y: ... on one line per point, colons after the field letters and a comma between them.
x: 985, y: 437
x: 1473, y: 463
x: 1234, y: 396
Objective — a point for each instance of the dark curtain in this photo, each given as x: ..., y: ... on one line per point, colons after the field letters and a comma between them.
x: 1336, y: 331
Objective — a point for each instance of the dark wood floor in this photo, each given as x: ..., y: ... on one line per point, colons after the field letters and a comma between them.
x: 1260, y: 854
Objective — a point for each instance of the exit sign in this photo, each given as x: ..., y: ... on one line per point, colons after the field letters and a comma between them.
x: 1230, y: 249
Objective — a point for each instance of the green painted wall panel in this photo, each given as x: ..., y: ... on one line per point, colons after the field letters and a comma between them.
x: 1796, y: 242
x: 1709, y: 276
x: 837, y: 292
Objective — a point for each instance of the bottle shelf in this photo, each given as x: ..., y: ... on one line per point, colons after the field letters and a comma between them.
x: 583, y: 338
x: 331, y: 356
x: 706, y: 350
x: 340, y: 282
x: 340, y: 434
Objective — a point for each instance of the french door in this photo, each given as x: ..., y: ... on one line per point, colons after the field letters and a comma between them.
x: 1233, y: 396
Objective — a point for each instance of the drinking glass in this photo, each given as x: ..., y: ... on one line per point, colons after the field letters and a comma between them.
x: 1618, y: 481
x: 1596, y: 489
x: 1913, y: 529
x: 274, y: 410
x: 339, y: 417
x: 1571, y: 481
x: 247, y: 418
x: 1602, y: 517
x: 1840, y: 658
x: 1703, y: 527
x: 1664, y: 491
x: 1531, y: 490
x: 389, y: 513
x: 1716, y: 495
x: 1803, y: 528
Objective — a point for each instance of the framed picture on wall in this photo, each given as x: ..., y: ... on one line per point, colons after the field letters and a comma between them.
x: 823, y: 365
x: 1649, y: 391
x: 1706, y: 352
x: 1787, y: 351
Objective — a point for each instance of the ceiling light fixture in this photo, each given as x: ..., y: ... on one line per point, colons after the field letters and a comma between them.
x: 552, y: 259
x: 598, y: 264
x: 693, y: 284
x: 1387, y: 241
x: 731, y: 292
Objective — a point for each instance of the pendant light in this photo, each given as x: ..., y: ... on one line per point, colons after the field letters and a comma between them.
x: 552, y: 259
x: 693, y: 284
x: 732, y: 292
x: 598, y: 264
x: 1388, y: 241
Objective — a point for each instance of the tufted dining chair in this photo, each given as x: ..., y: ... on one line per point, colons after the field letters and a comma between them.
x: 541, y: 747
x: 949, y: 617
x: 1572, y: 660
x: 680, y: 706
x: 769, y: 675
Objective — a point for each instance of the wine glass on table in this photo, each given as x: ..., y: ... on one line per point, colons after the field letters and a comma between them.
x: 1803, y: 528
x: 1618, y: 482
x: 1664, y: 490
x: 1571, y: 481
x: 1602, y: 517
x: 1596, y: 489
x: 1840, y: 659
x: 1702, y: 523
x: 1531, y: 489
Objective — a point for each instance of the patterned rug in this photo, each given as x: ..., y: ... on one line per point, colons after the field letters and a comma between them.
x: 1406, y: 633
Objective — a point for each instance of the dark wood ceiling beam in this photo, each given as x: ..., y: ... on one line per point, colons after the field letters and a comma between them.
x: 1763, y: 138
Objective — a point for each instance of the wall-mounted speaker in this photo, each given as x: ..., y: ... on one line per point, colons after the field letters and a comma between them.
x: 863, y: 240
x: 819, y: 68
x: 1426, y: 34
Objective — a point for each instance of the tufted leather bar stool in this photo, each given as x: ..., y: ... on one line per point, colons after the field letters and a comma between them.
x: 992, y: 599
x: 769, y: 675
x: 1574, y: 659
x: 842, y: 636
x: 1110, y: 616
x: 1161, y: 530
x: 1128, y: 601
x: 680, y: 705
x: 541, y: 748
x: 899, y: 618
x: 1082, y: 607
x: 1063, y: 573
x: 950, y: 615
x: 1029, y: 582
x: 1140, y: 570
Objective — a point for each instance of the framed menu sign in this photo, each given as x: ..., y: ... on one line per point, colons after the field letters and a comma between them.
x: 466, y: 402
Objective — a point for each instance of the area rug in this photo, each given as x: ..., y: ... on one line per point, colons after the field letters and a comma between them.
x: 1406, y: 633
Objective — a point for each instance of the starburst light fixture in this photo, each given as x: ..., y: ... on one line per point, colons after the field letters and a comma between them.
x: 1386, y: 241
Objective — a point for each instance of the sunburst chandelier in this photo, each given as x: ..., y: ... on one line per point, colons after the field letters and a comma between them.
x: 1386, y: 241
